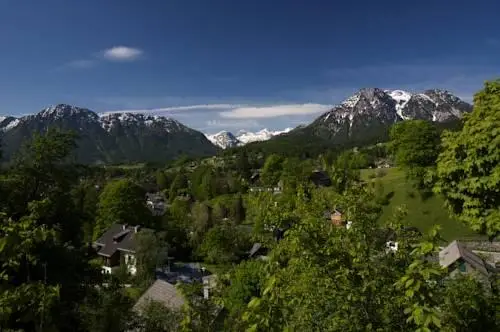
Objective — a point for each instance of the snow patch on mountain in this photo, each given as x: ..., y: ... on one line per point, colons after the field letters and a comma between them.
x: 401, y: 98
x: 351, y: 101
x: 11, y: 124
x: 108, y: 121
x: 63, y: 110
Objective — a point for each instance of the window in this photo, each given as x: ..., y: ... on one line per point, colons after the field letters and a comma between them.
x: 462, y: 267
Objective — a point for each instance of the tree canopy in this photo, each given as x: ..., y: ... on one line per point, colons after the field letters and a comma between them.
x: 468, y: 169
x: 121, y: 201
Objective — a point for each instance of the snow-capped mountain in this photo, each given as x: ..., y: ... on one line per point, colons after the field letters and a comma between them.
x: 367, y: 115
x: 110, y: 137
x: 226, y: 139
x: 261, y: 135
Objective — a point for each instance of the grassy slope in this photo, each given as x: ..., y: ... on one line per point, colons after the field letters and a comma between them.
x: 421, y: 214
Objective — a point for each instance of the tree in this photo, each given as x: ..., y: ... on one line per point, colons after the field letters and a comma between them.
x: 41, y: 185
x: 199, y: 314
x: 243, y: 283
x: 468, y: 307
x: 161, y: 180
x: 43, y: 169
x: 156, y: 317
x: 468, y: 169
x: 86, y: 199
x: 25, y: 300
x: 271, y: 172
x: 238, y: 210
x: 202, y: 221
x: 121, y: 201
x: 223, y: 244
x: 242, y: 164
x: 345, y: 171
x: 179, y: 183
x: 220, y: 212
x: 151, y: 252
x: 415, y: 145
x: 108, y: 309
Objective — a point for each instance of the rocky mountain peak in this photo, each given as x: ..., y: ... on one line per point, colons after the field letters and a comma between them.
x: 64, y: 110
x: 372, y: 93
x: 372, y: 111
x: 224, y: 139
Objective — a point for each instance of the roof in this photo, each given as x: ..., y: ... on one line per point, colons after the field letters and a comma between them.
x: 118, y: 237
x: 457, y: 250
x: 320, y: 177
x: 255, y: 248
x: 328, y: 214
x: 163, y: 292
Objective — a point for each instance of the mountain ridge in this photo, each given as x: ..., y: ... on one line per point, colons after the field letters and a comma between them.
x: 365, y: 118
x: 110, y: 137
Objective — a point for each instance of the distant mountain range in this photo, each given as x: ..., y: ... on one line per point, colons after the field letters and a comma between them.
x: 109, y: 138
x: 226, y: 139
x: 364, y: 118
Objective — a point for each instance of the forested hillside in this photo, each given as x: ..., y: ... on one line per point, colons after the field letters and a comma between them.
x: 272, y: 242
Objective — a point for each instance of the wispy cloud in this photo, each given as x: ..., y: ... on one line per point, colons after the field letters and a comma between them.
x: 238, y: 111
x: 183, y: 108
x: 274, y: 111
x: 122, y: 53
x: 114, y: 54
x: 231, y: 124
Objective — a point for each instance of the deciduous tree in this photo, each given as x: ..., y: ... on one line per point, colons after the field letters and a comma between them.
x: 121, y: 201
x: 468, y: 169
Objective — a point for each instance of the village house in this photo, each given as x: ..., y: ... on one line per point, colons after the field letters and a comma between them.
x: 320, y: 179
x: 458, y: 259
x: 117, y: 246
x: 163, y: 292
x: 336, y: 217
x: 156, y: 203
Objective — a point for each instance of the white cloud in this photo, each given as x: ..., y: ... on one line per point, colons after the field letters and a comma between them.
x: 232, y: 124
x: 174, y: 109
x: 122, y: 53
x: 274, y: 111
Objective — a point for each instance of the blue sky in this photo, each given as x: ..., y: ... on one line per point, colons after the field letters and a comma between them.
x: 230, y: 64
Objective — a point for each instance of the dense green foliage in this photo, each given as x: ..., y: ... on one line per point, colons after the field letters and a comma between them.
x: 415, y: 143
x: 308, y: 274
x: 323, y: 278
x: 121, y: 201
x: 468, y: 169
